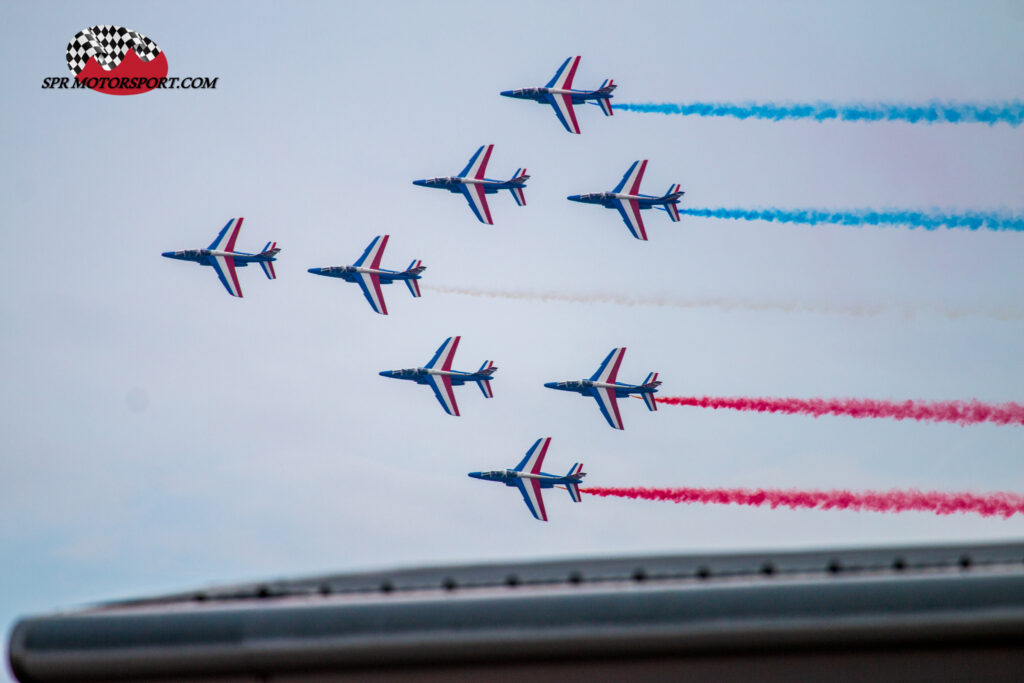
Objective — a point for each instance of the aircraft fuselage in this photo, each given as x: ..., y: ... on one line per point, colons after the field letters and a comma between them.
x: 509, y: 477
x: 419, y: 375
x: 644, y: 201
x: 454, y: 183
x: 583, y: 386
x: 203, y: 256
x: 540, y: 94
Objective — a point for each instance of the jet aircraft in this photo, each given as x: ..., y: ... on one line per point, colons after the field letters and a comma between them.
x: 605, y: 390
x: 627, y: 199
x: 370, y: 276
x: 439, y: 375
x: 559, y: 94
x: 222, y: 256
x: 528, y: 478
x: 472, y: 183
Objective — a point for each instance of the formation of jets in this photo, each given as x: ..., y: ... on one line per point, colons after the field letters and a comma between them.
x: 473, y: 184
x: 527, y: 477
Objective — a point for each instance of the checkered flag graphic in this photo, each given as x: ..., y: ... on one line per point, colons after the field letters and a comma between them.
x: 108, y: 44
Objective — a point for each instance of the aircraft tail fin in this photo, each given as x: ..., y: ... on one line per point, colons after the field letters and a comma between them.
x: 270, y: 250
x: 488, y: 368
x: 606, y: 102
x: 485, y: 388
x: 575, y: 473
x: 672, y: 198
x: 519, y: 182
x: 415, y: 268
x: 651, y: 383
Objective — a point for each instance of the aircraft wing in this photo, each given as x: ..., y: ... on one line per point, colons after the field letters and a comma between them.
x: 225, y: 240
x: 225, y: 267
x: 445, y: 354
x: 629, y: 209
x: 534, y: 458
x: 574, y: 492
x: 608, y: 372
x: 562, y: 104
x: 370, y: 284
x: 373, y: 253
x: 609, y: 406
x: 562, y: 80
x: 630, y: 183
x: 442, y: 386
x: 477, y: 199
x: 477, y: 165
x: 530, y: 488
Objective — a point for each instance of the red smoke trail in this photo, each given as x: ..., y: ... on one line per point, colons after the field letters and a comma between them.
x: 959, y: 412
x: 987, y: 505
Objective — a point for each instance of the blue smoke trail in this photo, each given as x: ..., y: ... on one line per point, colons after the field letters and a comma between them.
x: 970, y: 220
x: 1011, y: 113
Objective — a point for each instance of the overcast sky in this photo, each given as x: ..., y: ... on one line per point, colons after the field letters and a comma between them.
x: 159, y: 434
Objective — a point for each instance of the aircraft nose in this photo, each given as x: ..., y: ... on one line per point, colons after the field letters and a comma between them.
x: 315, y: 271
x: 574, y: 197
x: 475, y: 475
x: 506, y: 93
x: 387, y: 373
x: 551, y: 385
x: 168, y: 254
x: 421, y: 183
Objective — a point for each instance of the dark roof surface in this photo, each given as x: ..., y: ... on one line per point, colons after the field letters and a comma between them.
x: 682, y: 611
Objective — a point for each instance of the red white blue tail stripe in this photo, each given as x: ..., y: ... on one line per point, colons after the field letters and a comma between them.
x: 517, y: 189
x: 672, y: 206
x: 485, y: 384
x: 605, y: 102
x: 414, y: 285
x: 268, y: 266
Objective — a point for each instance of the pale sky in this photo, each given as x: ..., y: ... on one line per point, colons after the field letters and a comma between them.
x: 160, y: 435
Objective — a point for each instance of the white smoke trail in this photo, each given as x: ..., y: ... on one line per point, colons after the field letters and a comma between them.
x: 727, y: 304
